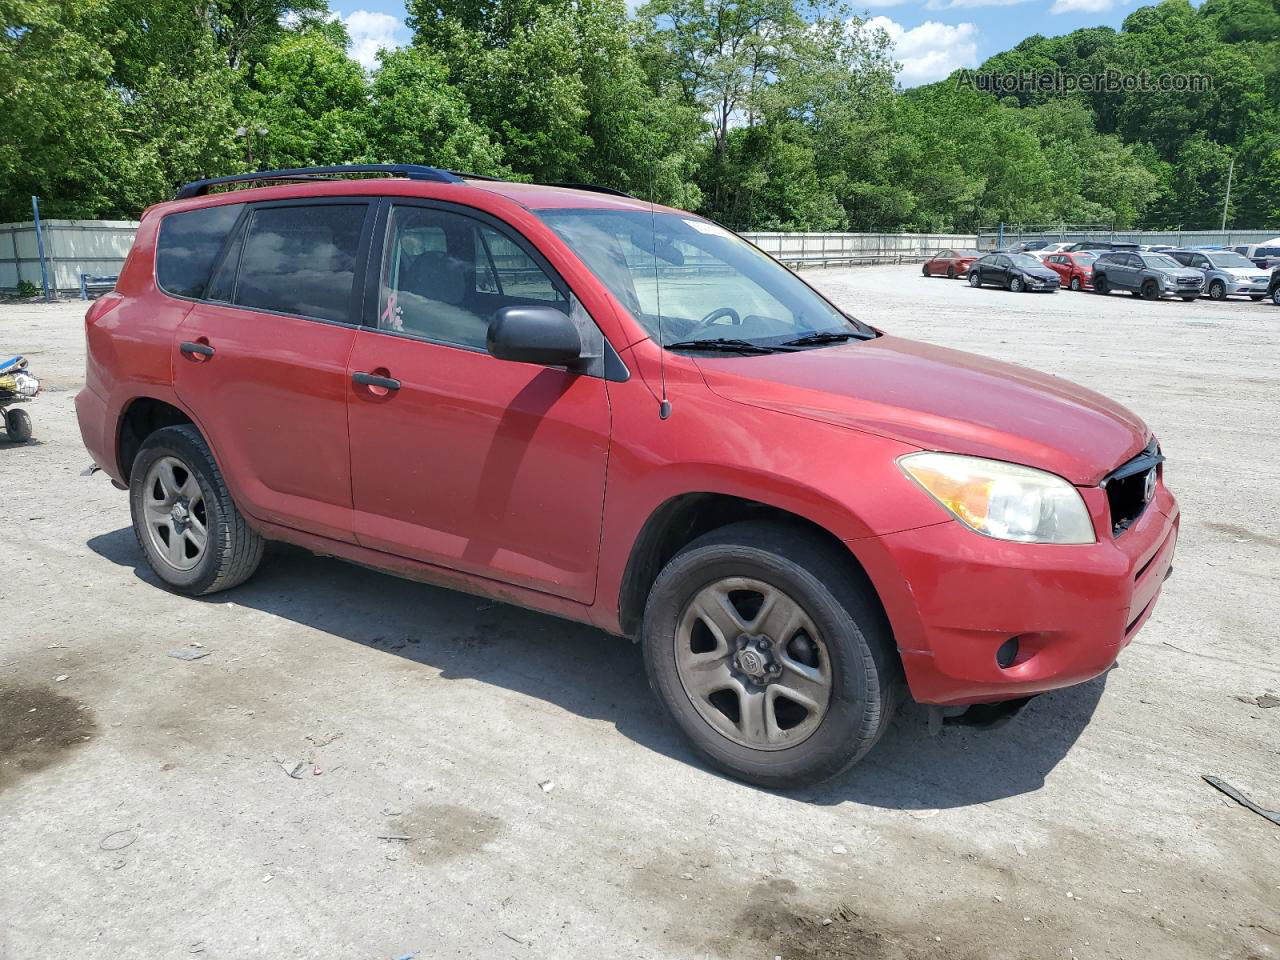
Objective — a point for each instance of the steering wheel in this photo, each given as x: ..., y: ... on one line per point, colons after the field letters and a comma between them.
x: 734, y: 318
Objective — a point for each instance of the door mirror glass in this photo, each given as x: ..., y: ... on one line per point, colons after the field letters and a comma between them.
x: 534, y: 334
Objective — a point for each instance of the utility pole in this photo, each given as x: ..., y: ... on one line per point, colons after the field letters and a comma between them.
x: 1230, y: 170
x: 44, y: 269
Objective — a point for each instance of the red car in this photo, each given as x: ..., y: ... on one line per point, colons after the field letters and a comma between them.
x: 567, y: 399
x: 1075, y: 269
x: 949, y: 263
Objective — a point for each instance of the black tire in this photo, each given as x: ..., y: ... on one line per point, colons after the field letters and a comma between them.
x: 1017, y: 284
x: 951, y: 271
x: 1150, y: 290
x: 865, y: 670
x: 1275, y: 296
x: 1190, y: 299
x: 975, y: 278
x: 1217, y: 290
x: 924, y: 269
x: 1256, y: 297
x: 17, y: 423
x: 232, y: 550
x: 1100, y: 285
x: 1076, y: 284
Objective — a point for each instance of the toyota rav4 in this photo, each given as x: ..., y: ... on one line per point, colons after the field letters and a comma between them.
x: 626, y: 415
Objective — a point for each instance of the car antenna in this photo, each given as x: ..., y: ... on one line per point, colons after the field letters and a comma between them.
x: 664, y: 404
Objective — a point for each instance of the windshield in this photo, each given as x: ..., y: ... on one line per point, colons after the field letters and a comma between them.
x: 1229, y: 260
x: 968, y: 253
x: 1162, y: 260
x: 1086, y: 255
x: 1024, y: 260
x: 703, y: 282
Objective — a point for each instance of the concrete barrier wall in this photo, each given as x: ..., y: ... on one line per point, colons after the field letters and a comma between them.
x: 834, y: 249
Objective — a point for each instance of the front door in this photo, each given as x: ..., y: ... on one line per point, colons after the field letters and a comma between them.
x: 262, y: 362
x: 458, y: 459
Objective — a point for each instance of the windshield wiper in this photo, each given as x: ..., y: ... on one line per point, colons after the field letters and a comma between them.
x: 814, y: 338
x: 724, y: 345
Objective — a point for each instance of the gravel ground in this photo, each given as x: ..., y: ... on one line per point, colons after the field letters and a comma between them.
x: 363, y: 767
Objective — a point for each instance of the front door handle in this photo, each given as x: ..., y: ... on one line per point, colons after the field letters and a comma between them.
x: 373, y: 380
x: 193, y: 349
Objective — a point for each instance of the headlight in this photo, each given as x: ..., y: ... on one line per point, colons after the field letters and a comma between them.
x: 1003, y: 500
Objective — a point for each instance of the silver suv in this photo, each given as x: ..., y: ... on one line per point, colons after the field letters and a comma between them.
x: 1226, y: 273
x: 1146, y: 275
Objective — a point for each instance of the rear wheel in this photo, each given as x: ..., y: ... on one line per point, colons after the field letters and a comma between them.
x: 17, y: 423
x: 951, y: 271
x: 1150, y: 290
x: 187, y: 525
x: 774, y: 663
x: 924, y: 269
x: 1217, y: 290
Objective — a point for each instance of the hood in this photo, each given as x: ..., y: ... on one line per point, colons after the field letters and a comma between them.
x: 1044, y: 273
x: 1190, y: 272
x: 1243, y: 273
x: 940, y: 399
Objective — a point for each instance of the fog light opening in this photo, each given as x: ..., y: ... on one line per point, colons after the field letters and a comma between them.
x: 1007, y: 655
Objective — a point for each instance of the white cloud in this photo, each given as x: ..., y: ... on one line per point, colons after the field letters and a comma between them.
x: 930, y: 51
x: 1081, y: 6
x: 882, y: 3
x: 953, y: 4
x: 371, y: 32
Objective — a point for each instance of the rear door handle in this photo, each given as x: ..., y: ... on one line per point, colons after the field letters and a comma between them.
x: 373, y: 380
x: 191, y: 348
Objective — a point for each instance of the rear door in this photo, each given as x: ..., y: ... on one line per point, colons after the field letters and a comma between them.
x: 458, y: 459
x: 262, y: 361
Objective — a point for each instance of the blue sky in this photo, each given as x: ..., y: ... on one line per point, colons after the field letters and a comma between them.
x: 931, y: 37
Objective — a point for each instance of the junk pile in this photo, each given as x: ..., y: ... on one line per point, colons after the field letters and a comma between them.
x: 17, y: 385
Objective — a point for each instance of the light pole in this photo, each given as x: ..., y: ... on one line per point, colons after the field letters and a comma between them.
x: 247, y: 134
x: 1227, y: 199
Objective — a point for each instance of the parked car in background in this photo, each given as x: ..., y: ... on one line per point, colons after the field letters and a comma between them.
x: 456, y: 380
x: 950, y: 263
x: 1265, y: 254
x: 1013, y: 271
x: 1075, y: 269
x: 1226, y: 273
x: 1024, y: 246
x: 1148, y: 275
x: 1055, y: 247
x: 1102, y: 245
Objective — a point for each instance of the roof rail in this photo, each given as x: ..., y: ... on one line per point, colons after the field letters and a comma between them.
x: 594, y: 188
x: 413, y: 171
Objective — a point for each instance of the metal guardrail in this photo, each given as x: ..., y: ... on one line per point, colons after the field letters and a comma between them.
x: 106, y: 285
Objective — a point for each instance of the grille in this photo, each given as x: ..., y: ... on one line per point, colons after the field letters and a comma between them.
x: 1126, y: 487
x: 1188, y: 282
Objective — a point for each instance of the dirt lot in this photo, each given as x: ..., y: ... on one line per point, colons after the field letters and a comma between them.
x: 256, y: 802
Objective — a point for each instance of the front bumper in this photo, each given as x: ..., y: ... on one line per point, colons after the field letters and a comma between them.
x: 1246, y: 287
x: 1072, y: 608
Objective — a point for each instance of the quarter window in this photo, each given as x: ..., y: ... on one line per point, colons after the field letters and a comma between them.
x: 301, y: 260
x: 444, y: 275
x: 188, y: 247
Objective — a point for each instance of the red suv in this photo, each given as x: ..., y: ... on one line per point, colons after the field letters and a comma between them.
x: 626, y: 415
x: 1075, y: 269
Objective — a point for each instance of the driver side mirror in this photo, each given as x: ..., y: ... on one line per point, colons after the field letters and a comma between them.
x: 534, y: 334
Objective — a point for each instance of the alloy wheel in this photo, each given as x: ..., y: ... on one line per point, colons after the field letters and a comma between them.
x: 753, y: 664
x: 174, y: 513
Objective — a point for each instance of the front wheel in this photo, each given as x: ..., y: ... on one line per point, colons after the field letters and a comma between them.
x: 1275, y: 296
x: 17, y: 423
x: 770, y: 657
x: 924, y: 269
x: 188, y: 527
x: 1017, y: 284
x: 951, y: 272
x: 1217, y: 290
x: 1150, y: 290
x: 1076, y: 284
x: 1100, y: 285
x: 975, y: 280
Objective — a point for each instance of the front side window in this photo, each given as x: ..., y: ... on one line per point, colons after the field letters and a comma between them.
x: 444, y: 275
x: 301, y: 260
x: 188, y: 248
x: 684, y: 278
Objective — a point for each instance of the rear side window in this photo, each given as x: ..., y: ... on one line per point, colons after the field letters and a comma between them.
x: 301, y: 260
x: 188, y: 248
